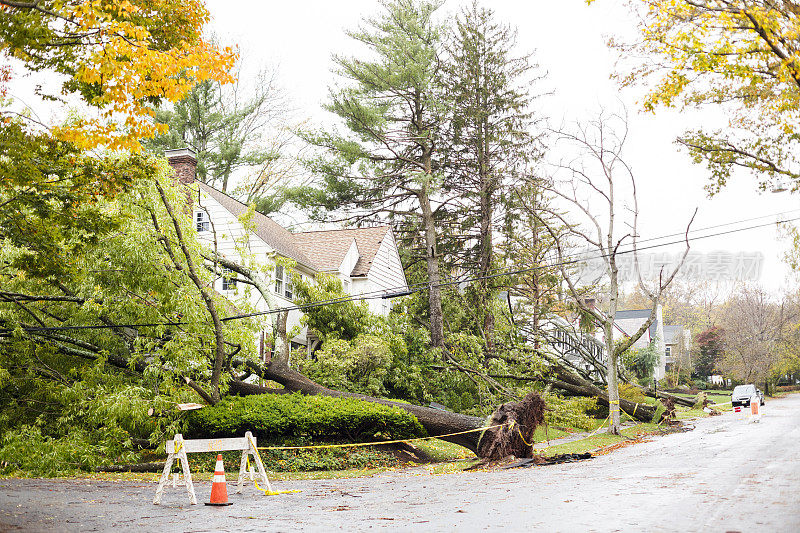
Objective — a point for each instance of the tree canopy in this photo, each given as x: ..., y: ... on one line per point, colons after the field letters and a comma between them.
x: 119, y: 57
x: 741, y: 56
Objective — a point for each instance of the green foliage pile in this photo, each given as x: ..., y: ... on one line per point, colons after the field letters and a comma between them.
x: 277, y: 417
x: 72, y: 398
x: 643, y: 361
x: 75, y: 428
x: 570, y: 412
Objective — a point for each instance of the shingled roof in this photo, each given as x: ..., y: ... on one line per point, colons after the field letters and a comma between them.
x: 327, y: 248
x: 642, y: 314
x: 672, y: 334
x: 269, y: 231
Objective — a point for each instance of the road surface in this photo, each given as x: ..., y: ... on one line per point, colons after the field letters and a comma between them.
x: 726, y: 475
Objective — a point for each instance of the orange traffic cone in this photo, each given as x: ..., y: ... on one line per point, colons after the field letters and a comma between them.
x: 219, y: 489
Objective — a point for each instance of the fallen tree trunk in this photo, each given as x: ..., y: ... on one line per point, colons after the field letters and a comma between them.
x: 665, y: 395
x: 574, y: 384
x: 435, y: 421
x: 506, y: 440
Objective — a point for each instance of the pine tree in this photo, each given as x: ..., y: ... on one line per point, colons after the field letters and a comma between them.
x: 492, y: 138
x: 387, y: 165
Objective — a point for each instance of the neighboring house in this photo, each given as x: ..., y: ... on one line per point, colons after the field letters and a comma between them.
x: 366, y: 260
x: 628, y: 322
x: 576, y: 347
x: 677, y: 347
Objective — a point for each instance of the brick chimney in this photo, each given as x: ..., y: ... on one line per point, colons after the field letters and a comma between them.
x: 184, y: 162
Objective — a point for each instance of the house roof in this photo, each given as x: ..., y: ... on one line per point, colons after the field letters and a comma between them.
x: 269, y: 231
x: 672, y: 334
x: 637, y: 314
x: 327, y: 248
x: 634, y: 313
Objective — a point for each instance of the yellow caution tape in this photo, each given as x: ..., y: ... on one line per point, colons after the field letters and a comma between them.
x: 265, y: 491
x: 614, y: 404
x: 598, y: 429
x: 523, y: 439
x: 376, y: 443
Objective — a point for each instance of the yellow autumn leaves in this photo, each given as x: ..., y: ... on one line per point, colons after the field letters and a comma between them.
x: 131, y: 67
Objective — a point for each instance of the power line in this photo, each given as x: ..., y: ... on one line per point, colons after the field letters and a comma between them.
x: 405, y: 290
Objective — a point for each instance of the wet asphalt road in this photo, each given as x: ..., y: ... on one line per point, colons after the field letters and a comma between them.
x: 726, y: 475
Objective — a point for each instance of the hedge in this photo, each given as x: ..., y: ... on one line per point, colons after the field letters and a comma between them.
x: 280, y: 417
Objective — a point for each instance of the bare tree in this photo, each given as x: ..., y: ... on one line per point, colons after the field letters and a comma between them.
x: 597, y: 173
x: 758, y: 330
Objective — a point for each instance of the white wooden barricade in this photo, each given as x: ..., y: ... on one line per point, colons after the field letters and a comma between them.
x: 178, y: 448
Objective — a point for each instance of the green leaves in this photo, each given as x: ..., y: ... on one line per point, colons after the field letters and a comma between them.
x: 343, y: 320
x: 50, y: 196
x: 275, y: 417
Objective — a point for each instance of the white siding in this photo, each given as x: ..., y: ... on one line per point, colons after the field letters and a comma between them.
x: 231, y: 238
x: 386, y: 274
x: 349, y: 261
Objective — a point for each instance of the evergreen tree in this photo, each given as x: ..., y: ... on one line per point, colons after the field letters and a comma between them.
x: 230, y: 132
x: 492, y: 138
x: 710, y: 344
x: 387, y: 165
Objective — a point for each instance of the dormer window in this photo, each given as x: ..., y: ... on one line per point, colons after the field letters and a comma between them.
x: 201, y: 219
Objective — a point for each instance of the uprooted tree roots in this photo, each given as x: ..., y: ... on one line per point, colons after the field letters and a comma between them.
x: 517, y: 421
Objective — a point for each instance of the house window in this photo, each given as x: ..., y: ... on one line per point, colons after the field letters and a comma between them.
x: 201, y: 219
x: 668, y: 351
x: 228, y: 280
x: 283, y: 282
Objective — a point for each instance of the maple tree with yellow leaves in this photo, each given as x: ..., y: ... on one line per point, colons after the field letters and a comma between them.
x: 121, y: 57
x: 742, y: 56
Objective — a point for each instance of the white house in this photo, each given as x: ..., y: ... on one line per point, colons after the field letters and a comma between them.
x: 628, y: 322
x: 366, y: 260
x: 677, y: 347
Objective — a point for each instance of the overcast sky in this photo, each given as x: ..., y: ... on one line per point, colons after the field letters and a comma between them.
x: 568, y: 39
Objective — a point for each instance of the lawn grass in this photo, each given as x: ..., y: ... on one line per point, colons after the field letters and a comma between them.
x: 442, y: 451
x: 600, y: 440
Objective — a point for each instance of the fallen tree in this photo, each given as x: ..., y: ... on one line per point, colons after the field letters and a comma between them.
x: 569, y: 381
x: 129, y: 338
x: 515, y: 418
x: 647, y: 391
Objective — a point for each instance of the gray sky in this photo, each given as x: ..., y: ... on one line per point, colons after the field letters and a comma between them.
x: 569, y: 39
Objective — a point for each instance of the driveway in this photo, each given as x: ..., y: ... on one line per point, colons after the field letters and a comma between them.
x: 726, y: 475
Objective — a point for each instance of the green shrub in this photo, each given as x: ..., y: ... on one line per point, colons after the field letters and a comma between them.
x: 277, y: 417
x: 631, y: 393
x: 570, y: 412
